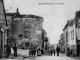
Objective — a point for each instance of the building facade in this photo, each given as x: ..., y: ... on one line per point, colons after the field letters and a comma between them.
x: 77, y: 19
x: 3, y: 28
x: 44, y: 35
x: 32, y: 29
x: 26, y: 30
x: 70, y: 36
x: 62, y: 43
x: 66, y: 37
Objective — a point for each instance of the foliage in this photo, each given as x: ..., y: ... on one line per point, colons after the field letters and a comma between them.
x: 14, y: 26
x: 11, y: 40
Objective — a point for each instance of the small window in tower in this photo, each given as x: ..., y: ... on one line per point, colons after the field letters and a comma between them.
x: 20, y: 35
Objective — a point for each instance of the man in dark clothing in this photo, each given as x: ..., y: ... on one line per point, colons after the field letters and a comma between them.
x: 58, y: 50
x: 15, y: 50
x: 8, y: 50
x: 42, y: 51
x: 71, y: 51
x: 34, y: 52
x: 51, y: 51
x: 68, y: 51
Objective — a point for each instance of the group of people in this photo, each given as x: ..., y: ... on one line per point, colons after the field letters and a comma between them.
x: 38, y: 52
x: 32, y: 51
x: 8, y: 50
x: 70, y: 52
x: 53, y: 50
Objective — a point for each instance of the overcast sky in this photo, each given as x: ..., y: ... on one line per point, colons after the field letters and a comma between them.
x: 55, y: 13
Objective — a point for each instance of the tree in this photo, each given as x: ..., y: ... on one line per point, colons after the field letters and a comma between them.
x: 14, y: 26
x: 11, y: 40
x: 46, y: 40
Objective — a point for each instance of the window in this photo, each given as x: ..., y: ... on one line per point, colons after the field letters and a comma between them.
x: 26, y: 44
x: 67, y: 36
x: 78, y: 32
x: 72, y: 35
x: 20, y: 35
x: 8, y: 32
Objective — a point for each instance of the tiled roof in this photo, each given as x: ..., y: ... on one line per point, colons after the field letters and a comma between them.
x: 24, y: 15
x: 69, y: 22
x: 72, y: 22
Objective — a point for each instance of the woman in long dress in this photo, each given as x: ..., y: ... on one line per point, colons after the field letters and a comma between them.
x: 39, y: 52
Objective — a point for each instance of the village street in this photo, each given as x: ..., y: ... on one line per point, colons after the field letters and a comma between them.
x: 45, y: 58
x: 24, y: 53
x: 61, y: 57
x: 34, y: 30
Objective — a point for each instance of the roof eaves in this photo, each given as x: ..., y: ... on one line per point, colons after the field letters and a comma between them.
x: 65, y: 26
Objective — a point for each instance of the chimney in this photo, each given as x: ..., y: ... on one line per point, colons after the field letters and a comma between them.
x: 17, y: 12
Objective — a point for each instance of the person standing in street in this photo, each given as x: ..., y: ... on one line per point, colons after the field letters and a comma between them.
x: 71, y: 52
x: 68, y: 51
x: 42, y: 52
x: 34, y: 52
x: 15, y: 50
x: 58, y: 50
x: 54, y: 51
x: 8, y: 50
x: 51, y: 51
x: 29, y: 52
x: 39, y: 52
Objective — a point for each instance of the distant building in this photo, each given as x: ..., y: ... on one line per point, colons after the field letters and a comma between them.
x: 44, y: 34
x: 62, y: 43
x: 65, y: 29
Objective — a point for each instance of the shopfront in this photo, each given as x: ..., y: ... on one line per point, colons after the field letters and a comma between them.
x: 78, y: 48
x: 78, y: 37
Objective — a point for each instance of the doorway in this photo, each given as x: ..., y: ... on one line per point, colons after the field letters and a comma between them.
x: 26, y: 44
x: 1, y: 40
x: 78, y: 50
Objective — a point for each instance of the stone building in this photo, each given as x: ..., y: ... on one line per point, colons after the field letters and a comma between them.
x: 32, y: 30
x: 62, y: 43
x: 44, y: 35
x: 70, y: 35
x: 3, y: 28
x: 77, y: 19
x: 1, y: 22
x: 65, y: 30
x: 25, y: 29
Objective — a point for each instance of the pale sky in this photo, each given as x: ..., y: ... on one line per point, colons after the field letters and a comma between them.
x: 55, y: 15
